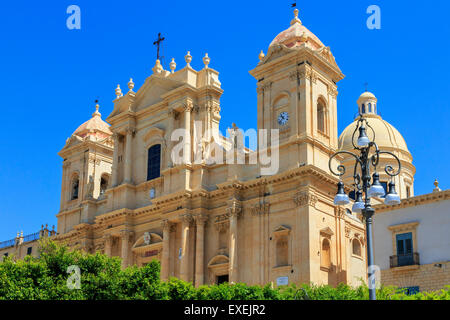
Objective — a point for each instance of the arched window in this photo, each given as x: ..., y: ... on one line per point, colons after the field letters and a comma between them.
x: 282, y: 251
x: 321, y: 116
x: 75, y: 186
x: 370, y: 107
x: 103, y: 183
x: 325, y: 257
x: 356, y: 247
x: 154, y: 162
x: 363, y: 108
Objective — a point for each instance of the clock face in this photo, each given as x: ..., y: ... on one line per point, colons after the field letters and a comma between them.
x: 283, y: 118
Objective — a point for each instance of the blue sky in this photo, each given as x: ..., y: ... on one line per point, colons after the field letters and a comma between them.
x: 51, y: 75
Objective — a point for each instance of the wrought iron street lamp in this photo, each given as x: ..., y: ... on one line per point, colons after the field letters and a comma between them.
x: 367, y: 157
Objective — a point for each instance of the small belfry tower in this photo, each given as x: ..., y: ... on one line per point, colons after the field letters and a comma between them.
x: 86, y: 174
x: 297, y: 90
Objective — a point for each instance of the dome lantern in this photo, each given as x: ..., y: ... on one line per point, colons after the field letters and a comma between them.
x: 367, y: 103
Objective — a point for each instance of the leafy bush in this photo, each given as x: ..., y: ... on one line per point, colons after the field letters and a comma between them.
x: 45, y: 278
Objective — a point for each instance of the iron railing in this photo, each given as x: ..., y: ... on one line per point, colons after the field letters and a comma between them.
x: 31, y: 237
x: 7, y: 243
x: 401, y: 260
x: 27, y: 238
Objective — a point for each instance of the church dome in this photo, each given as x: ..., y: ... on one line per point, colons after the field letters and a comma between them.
x: 297, y: 34
x: 94, y: 127
x: 386, y: 136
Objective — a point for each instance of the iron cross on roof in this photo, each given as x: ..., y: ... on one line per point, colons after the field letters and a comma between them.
x: 157, y: 43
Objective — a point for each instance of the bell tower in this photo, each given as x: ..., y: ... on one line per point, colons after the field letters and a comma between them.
x: 86, y: 174
x: 297, y: 91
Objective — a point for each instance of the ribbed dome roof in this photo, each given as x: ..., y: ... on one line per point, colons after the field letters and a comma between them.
x: 386, y: 136
x: 367, y: 95
x: 297, y: 34
x: 94, y: 127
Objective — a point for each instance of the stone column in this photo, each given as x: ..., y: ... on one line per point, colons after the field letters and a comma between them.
x: 108, y: 244
x: 126, y: 235
x: 65, y: 184
x: 186, y: 220
x: 233, y: 212
x: 187, y: 125
x: 165, y: 259
x: 200, y: 250
x: 115, y: 165
x: 128, y: 151
x: 170, y: 126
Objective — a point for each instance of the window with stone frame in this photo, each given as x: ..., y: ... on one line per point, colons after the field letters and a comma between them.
x: 281, y: 237
x: 104, y: 183
x: 321, y: 116
x: 154, y: 162
x: 325, y: 254
x: 356, y: 247
x: 74, y: 187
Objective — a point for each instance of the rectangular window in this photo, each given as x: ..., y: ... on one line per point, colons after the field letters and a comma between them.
x: 405, y: 249
x: 154, y: 162
x: 29, y: 250
x: 408, y: 192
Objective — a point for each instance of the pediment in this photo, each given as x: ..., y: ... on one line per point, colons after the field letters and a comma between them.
x: 327, y: 232
x: 275, y: 52
x: 281, y: 231
x: 155, y: 239
x: 218, y: 260
x: 153, y: 132
x: 325, y: 53
x: 154, y: 87
x: 72, y: 141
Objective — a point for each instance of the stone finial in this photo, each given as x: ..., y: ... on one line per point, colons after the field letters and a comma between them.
x: 118, y: 92
x: 21, y: 234
x: 131, y: 85
x: 296, y: 19
x: 206, y: 60
x: 158, y: 67
x: 261, y: 56
x: 172, y: 65
x: 96, y: 113
x: 188, y: 59
x: 436, y: 186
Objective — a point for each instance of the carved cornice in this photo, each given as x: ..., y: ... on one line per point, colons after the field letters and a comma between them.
x: 222, y: 222
x: 127, y: 235
x: 166, y: 225
x: 339, y: 212
x: 186, y: 218
x: 188, y: 106
x: 235, y: 209
x: 347, y: 232
x: 260, y: 209
x: 200, y: 219
x: 303, y: 198
x: 414, y: 201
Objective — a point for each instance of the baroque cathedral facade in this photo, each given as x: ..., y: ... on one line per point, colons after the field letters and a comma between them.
x: 124, y: 195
